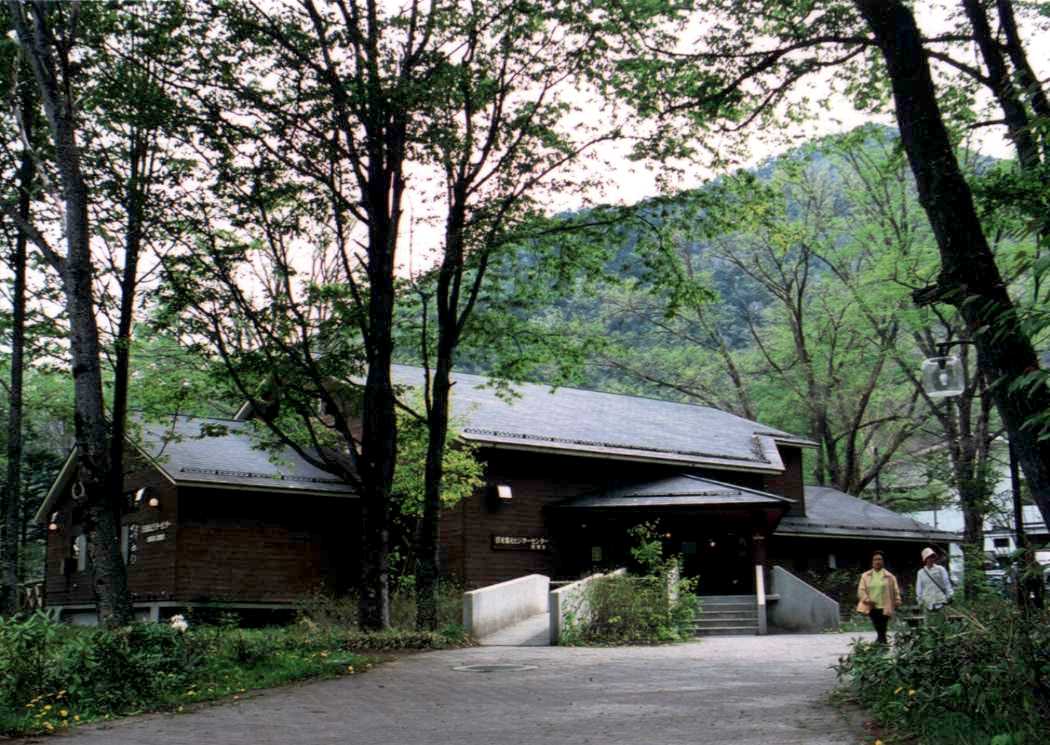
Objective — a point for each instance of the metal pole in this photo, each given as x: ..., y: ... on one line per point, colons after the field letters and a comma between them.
x: 878, y: 483
x: 1021, y: 542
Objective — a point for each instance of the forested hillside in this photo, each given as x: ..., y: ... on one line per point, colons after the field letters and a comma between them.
x: 783, y: 294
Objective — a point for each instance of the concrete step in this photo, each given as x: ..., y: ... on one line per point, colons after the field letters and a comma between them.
x: 728, y: 608
x: 725, y: 623
x: 727, y: 631
x: 721, y: 618
x: 727, y: 599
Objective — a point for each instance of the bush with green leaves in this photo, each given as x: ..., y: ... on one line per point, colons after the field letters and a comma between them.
x: 54, y: 675
x: 975, y: 675
x: 25, y: 648
x: 341, y: 612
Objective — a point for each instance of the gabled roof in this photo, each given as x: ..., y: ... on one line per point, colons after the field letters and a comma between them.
x: 832, y: 513
x: 608, y: 425
x: 230, y: 457
x: 685, y: 490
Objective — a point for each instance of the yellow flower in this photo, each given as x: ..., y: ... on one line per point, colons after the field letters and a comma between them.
x: 911, y: 691
x: 63, y: 713
x: 47, y: 707
x: 76, y: 717
x: 349, y: 668
x: 878, y: 742
x: 50, y: 727
x: 899, y: 689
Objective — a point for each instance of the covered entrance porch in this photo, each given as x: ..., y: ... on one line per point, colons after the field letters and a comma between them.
x: 719, y: 530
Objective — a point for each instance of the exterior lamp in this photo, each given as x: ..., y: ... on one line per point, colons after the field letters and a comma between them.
x: 53, y: 525
x: 153, y: 502
x: 942, y: 377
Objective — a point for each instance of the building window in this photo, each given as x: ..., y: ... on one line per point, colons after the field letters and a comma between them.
x: 1001, y: 542
x: 80, y: 552
x: 129, y: 544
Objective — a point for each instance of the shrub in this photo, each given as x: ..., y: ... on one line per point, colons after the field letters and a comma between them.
x: 331, y: 612
x: 978, y: 675
x: 105, y: 670
x: 24, y: 650
x: 629, y: 609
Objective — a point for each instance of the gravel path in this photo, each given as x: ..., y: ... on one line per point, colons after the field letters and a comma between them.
x: 770, y: 689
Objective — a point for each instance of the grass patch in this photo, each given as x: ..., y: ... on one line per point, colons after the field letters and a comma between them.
x: 54, y: 676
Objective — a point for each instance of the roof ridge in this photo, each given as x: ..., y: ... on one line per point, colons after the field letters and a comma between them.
x: 774, y: 432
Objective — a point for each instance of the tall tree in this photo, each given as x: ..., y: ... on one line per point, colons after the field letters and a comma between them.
x: 747, y: 65
x: 11, y: 496
x: 99, y: 75
x: 322, y: 155
x: 501, y: 134
x: 47, y: 35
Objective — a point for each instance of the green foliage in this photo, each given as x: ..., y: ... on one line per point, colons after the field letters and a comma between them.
x: 24, y: 657
x: 327, y: 612
x: 976, y: 675
x: 838, y: 584
x: 649, y: 551
x: 656, y: 607
x: 626, y: 609
x: 53, y: 675
x: 463, y: 472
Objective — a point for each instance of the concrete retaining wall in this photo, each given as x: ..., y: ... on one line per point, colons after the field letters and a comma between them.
x: 489, y: 609
x: 572, y: 599
x: 799, y: 606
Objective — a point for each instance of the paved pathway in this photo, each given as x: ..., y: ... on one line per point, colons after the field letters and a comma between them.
x: 741, y: 690
x: 534, y: 631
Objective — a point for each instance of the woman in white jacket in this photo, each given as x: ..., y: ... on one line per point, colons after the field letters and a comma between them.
x: 933, y: 588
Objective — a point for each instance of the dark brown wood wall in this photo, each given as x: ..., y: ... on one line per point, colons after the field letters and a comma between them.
x: 791, y: 482
x: 151, y: 577
x: 538, y: 481
x: 242, y: 546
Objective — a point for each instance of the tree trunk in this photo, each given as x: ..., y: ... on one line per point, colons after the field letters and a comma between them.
x: 10, y: 509
x: 969, y: 278
x: 449, y: 320
x: 52, y: 73
x: 379, y: 429
x: 428, y: 535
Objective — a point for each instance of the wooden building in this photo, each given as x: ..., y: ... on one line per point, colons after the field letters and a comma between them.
x: 214, y: 521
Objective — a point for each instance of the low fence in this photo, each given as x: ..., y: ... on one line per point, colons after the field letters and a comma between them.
x: 800, y: 606
x: 572, y: 599
x: 489, y: 609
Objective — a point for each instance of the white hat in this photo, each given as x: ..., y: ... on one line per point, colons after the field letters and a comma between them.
x: 927, y: 552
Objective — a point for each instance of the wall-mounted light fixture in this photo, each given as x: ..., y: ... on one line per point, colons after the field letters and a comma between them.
x: 53, y: 525
x: 141, y: 496
x: 504, y: 493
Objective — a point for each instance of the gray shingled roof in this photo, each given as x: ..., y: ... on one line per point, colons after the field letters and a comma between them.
x: 684, y: 490
x: 830, y: 512
x: 606, y: 424
x: 233, y: 459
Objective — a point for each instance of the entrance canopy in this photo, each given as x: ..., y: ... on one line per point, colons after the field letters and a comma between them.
x: 683, y: 491
x: 717, y: 529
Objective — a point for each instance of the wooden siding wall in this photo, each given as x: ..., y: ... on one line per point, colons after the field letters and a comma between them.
x: 150, y: 578
x: 242, y: 546
x: 537, y: 481
x: 791, y: 482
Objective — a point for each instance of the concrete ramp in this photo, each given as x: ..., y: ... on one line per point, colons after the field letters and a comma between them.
x: 532, y: 632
